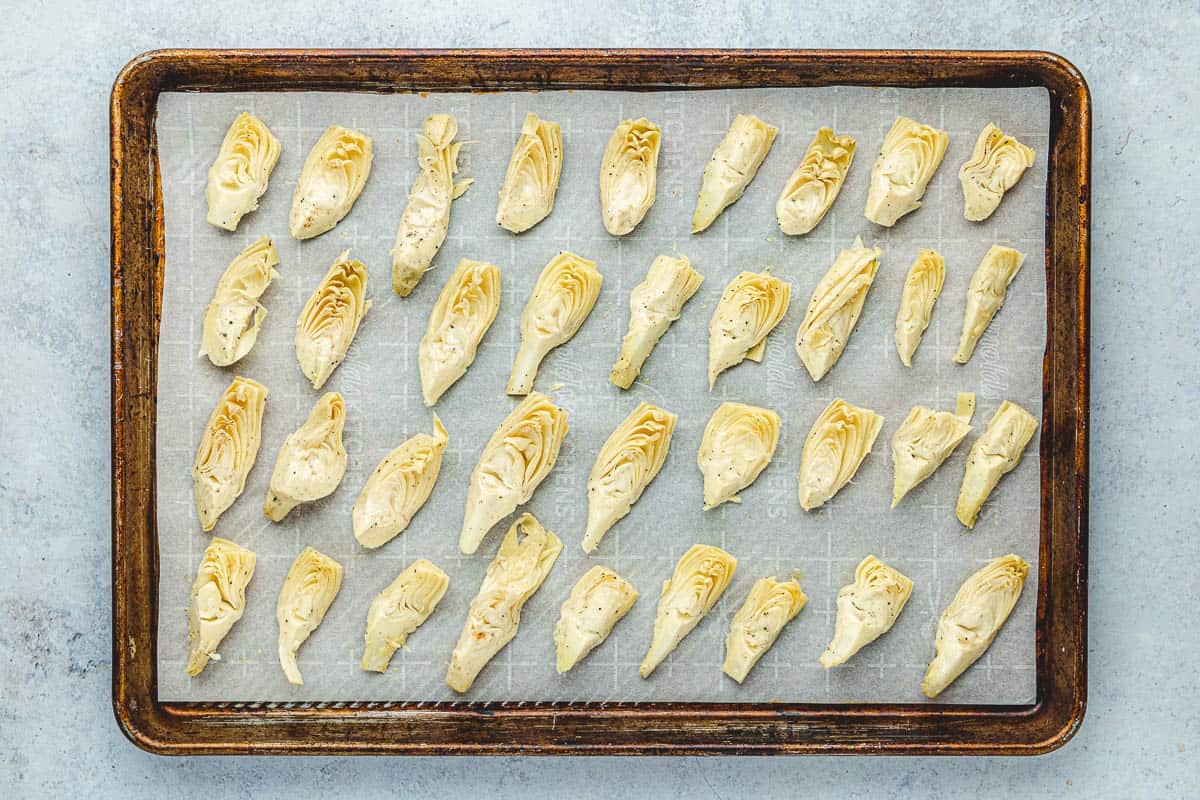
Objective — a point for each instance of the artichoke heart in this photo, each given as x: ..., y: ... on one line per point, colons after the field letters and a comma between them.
x: 228, y: 449
x: 218, y: 600
x: 812, y: 189
x: 921, y: 290
x: 332, y: 178
x: 627, y: 463
x: 399, y: 610
x: 426, y: 216
x: 598, y: 602
x: 996, y: 164
x: 770, y: 606
x: 527, y: 196
x: 924, y: 440
x: 330, y: 319
x: 521, y: 565
x: 835, y: 448
x: 699, y: 580
x: 514, y: 462
x: 866, y: 609
x: 986, y: 294
x: 835, y: 307
x: 654, y: 304
x: 738, y: 443
x: 311, y: 462
x: 911, y: 153
x: 628, y: 175
x: 308, y: 591
x: 734, y: 164
x: 994, y: 454
x: 241, y: 171
x: 972, y: 620
x: 751, y: 306
x: 234, y: 316
x: 461, y: 316
x: 398, y: 487
x: 562, y: 299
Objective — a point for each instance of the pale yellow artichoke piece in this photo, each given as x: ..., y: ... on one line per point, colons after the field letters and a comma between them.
x: 921, y: 290
x: 513, y: 464
x: 330, y: 319
x: 234, y: 316
x: 527, y: 196
x: 986, y: 294
x: 812, y: 189
x: 910, y: 155
x: 751, y: 306
x: 228, y: 449
x: 521, y: 565
x: 738, y: 443
x: 562, y: 299
x: 312, y: 461
x: 332, y: 178
x: 598, y: 602
x: 629, y: 174
x: 972, y: 620
x: 770, y: 606
x: 924, y: 441
x: 461, y: 316
x: 996, y: 164
x: 835, y: 307
x: 308, y: 591
x: 654, y: 304
x: 734, y: 164
x: 835, y: 448
x: 426, y: 217
x: 241, y: 171
x: 629, y: 460
x: 866, y: 609
x: 399, y: 610
x: 399, y: 487
x: 218, y: 600
x: 994, y: 454
x: 699, y: 580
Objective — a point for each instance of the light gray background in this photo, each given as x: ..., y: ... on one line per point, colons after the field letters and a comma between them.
x: 57, y: 63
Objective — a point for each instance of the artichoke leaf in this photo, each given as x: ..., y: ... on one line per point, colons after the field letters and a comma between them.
x: 399, y: 487
x: 738, y: 443
x: 311, y: 585
x: 910, y: 155
x: 700, y: 578
x: 924, y: 441
x: 241, y: 172
x: 866, y: 609
x: 330, y: 319
x: 597, y: 603
x: 751, y: 306
x: 218, y: 600
x: 628, y: 175
x: 654, y: 304
x: 835, y: 307
x: 332, y: 178
x: 235, y: 315
x: 527, y: 196
x: 922, y: 287
x: 835, y: 448
x: 769, y: 607
x: 986, y: 294
x: 464, y: 311
x: 812, y: 189
x: 733, y: 166
x: 228, y: 449
x: 995, y: 166
x: 993, y: 455
x: 399, y: 610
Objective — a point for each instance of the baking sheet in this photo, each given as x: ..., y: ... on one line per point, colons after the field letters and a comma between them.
x: 768, y: 532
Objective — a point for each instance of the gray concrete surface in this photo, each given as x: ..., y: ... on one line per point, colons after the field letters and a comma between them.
x: 56, y: 65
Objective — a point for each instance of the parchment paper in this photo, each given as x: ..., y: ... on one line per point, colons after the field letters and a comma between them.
x: 768, y: 532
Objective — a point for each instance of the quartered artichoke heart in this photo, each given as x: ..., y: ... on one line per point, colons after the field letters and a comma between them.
x: 654, y: 304
x: 241, y: 171
x: 527, y: 196
x: 218, y: 600
x: 751, y: 306
x: 308, y: 591
x: 399, y: 610
x: 514, y: 462
x: 598, y: 602
x: 461, y: 316
x: 770, y: 606
x: 628, y: 175
x: 866, y: 609
x: 921, y: 290
x: 924, y: 440
x: 332, y: 178
x: 399, y: 487
x: 738, y: 443
x: 699, y: 580
x: 986, y: 294
x: 996, y: 164
x: 521, y: 565
x: 994, y: 454
x: 835, y: 307
x: 972, y: 620
x: 426, y: 216
x: 330, y: 319
x: 813, y: 187
x: 627, y: 463
x: 228, y: 449
x: 234, y: 316
x: 910, y: 155
x: 564, y: 295
x: 311, y: 462
x: 734, y: 164
x: 835, y: 448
